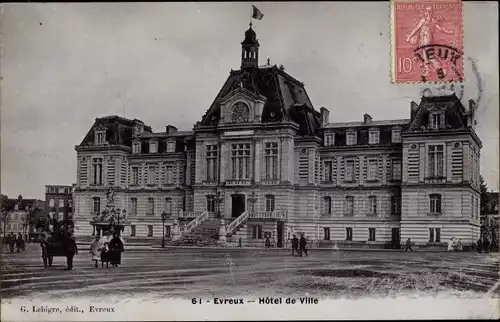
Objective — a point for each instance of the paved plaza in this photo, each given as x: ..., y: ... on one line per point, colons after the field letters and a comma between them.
x: 188, y: 273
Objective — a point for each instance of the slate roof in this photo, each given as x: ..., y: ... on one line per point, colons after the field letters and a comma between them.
x: 455, y: 112
x: 286, y: 97
x: 119, y: 130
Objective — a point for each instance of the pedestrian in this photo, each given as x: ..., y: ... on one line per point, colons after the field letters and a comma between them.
x: 71, y: 251
x: 408, y: 245
x: 105, y: 255
x: 268, y: 243
x: 459, y: 245
x: 116, y: 249
x: 239, y: 243
x: 450, y: 245
x: 12, y: 242
x: 20, y: 243
x: 302, y: 245
x: 43, y: 245
x: 479, y: 245
x: 295, y: 245
x: 95, y: 249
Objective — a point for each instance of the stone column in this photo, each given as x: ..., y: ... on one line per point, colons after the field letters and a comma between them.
x: 198, y: 167
x: 466, y: 162
x: 78, y: 170
x: 223, y: 161
x: 361, y: 169
x: 311, y: 166
x: 291, y: 160
x: 447, y: 161
x: 384, y: 168
x: 423, y: 169
x: 404, y: 164
x: 339, y: 166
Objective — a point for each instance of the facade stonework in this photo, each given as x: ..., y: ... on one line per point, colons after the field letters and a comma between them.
x: 268, y: 163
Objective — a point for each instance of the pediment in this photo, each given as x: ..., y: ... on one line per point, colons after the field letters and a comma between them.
x: 99, y: 127
x: 242, y: 93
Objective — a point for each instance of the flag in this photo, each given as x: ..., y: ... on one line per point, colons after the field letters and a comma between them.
x: 256, y: 13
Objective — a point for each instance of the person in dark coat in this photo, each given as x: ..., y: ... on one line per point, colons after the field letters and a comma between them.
x: 302, y: 245
x: 295, y: 245
x: 43, y: 244
x: 408, y: 245
x: 20, y: 243
x: 116, y: 249
x: 71, y: 251
x: 12, y: 242
x: 268, y: 243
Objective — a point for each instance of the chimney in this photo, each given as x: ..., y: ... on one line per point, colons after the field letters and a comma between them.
x: 367, y: 119
x: 325, y: 115
x: 171, y: 129
x: 413, y: 109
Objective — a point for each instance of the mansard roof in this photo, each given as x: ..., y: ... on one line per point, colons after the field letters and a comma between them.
x: 119, y: 130
x: 400, y: 122
x: 286, y: 97
x: 455, y: 112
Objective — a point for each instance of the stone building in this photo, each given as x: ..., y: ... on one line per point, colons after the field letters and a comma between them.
x: 269, y: 163
x: 59, y: 201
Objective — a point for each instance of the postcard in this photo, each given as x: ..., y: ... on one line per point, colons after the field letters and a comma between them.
x: 249, y: 161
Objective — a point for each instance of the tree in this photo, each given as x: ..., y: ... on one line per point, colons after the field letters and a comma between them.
x: 485, y: 197
x: 4, y: 214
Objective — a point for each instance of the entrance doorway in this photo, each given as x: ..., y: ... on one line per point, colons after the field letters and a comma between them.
x: 238, y: 205
x: 280, y: 229
x: 395, y: 240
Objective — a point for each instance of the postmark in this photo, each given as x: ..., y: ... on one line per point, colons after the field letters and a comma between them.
x: 426, y: 42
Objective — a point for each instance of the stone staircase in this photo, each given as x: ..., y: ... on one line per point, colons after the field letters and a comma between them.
x: 209, y: 227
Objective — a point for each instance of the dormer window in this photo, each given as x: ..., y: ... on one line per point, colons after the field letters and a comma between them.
x: 436, y: 120
x: 396, y: 136
x: 136, y: 147
x: 153, y: 147
x: 138, y: 129
x: 170, y: 146
x: 351, y: 138
x: 329, y: 139
x: 100, y: 137
x: 374, y: 137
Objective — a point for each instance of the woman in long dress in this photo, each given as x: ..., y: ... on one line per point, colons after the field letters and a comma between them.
x: 116, y: 248
x: 95, y: 250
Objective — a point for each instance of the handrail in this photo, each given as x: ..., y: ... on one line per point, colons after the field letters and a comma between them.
x: 237, y: 222
x: 196, y: 222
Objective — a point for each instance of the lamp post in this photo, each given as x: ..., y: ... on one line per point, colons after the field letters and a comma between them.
x: 164, y: 216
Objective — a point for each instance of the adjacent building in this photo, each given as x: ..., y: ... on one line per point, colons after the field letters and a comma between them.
x: 269, y: 163
x: 17, y: 214
x: 59, y: 201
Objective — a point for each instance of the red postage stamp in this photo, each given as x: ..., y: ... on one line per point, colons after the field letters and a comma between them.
x: 426, y: 41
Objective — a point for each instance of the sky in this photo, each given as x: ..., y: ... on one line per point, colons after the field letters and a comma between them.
x: 65, y: 64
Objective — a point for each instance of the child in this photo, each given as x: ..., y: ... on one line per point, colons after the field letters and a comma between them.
x: 95, y: 248
x: 105, y: 255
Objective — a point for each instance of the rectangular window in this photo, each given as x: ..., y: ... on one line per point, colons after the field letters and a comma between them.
x: 329, y: 139
x: 150, y: 230
x: 395, y: 205
x: 97, y: 205
x: 327, y: 205
x: 436, y: 121
x: 97, y: 170
x: 168, y: 206
x: 431, y: 235
x: 133, y: 204
x: 151, y: 206
x: 326, y: 233
x: 210, y: 203
x: 169, y: 175
x: 61, y: 203
x: 349, y: 171
x: 435, y: 203
x: 257, y: 232
x: 132, y: 230
x: 151, y: 175
x: 135, y: 175
x: 269, y: 203
x: 271, y: 160
x: 348, y: 233
x: 349, y: 205
x: 371, y: 233
x: 211, y: 157
x: 100, y: 138
x: 170, y: 147
x: 372, y: 170
x: 51, y: 203
x: 351, y: 138
x: 374, y: 137
x: 167, y: 231
x: 240, y: 161
x: 372, y: 201
x: 136, y: 148
x: 396, y: 169
x: 328, y: 171
x: 436, y: 160
x: 153, y: 147
x: 396, y: 136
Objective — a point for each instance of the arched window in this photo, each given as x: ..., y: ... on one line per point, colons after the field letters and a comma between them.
x: 240, y: 113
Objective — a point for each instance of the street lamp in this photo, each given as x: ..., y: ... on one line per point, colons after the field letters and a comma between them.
x: 164, y: 216
x: 218, y: 199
